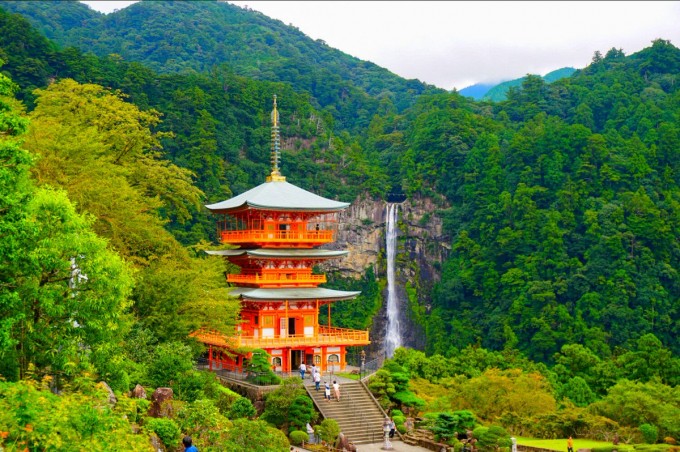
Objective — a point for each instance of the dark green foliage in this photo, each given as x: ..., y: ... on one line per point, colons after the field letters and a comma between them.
x: 359, y: 312
x: 278, y: 404
x: 447, y: 425
x: 183, y: 37
x: 301, y: 411
x: 259, y: 369
x: 499, y: 92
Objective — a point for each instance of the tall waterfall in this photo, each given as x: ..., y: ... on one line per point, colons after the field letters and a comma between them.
x: 393, y: 336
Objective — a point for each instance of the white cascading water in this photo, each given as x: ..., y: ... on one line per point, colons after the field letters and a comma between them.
x: 393, y: 335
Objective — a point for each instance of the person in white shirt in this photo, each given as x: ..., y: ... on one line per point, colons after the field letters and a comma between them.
x: 336, y: 389
x: 303, y: 369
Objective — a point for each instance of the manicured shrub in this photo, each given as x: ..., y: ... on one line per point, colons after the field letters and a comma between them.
x: 297, y: 437
x: 650, y: 433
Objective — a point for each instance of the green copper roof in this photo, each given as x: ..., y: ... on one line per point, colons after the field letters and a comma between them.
x: 292, y: 253
x: 279, y: 195
x: 294, y: 293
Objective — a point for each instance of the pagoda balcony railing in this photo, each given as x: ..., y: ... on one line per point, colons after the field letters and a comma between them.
x: 277, y: 280
x: 325, y: 336
x: 262, y: 236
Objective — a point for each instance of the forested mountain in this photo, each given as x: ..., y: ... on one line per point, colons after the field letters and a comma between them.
x: 499, y: 92
x: 181, y: 37
x: 564, y: 207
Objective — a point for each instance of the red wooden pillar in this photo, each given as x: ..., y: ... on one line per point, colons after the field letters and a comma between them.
x: 210, y: 357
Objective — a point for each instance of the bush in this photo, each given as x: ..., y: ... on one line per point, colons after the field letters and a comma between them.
x: 242, y: 408
x: 297, y: 437
x: 166, y: 429
x: 329, y: 430
x: 224, y: 399
x: 650, y: 433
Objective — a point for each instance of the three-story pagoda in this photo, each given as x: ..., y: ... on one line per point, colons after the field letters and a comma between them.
x: 278, y: 229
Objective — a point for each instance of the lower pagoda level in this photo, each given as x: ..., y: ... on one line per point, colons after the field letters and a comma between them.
x: 287, y: 330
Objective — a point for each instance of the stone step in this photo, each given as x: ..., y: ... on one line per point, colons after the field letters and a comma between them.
x: 362, y: 428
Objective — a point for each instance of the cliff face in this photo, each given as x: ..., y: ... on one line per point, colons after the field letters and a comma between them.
x: 421, y: 249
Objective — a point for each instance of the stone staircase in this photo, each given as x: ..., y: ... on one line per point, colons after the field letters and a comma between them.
x: 358, y: 414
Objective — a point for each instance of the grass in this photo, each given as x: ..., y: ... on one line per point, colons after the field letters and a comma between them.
x: 560, y: 444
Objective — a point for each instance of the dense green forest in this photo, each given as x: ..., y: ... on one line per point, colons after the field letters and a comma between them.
x: 564, y: 213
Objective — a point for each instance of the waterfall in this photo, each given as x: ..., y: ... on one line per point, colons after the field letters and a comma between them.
x: 393, y: 335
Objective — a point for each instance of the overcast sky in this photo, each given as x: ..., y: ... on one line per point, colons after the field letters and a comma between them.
x: 456, y: 44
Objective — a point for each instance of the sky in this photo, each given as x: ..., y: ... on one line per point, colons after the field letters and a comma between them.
x: 454, y: 44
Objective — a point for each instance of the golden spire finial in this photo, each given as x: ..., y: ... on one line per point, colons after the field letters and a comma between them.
x: 275, y: 175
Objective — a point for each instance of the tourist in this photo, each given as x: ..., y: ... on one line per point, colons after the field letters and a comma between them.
x: 393, y: 428
x: 336, y: 389
x: 317, y: 379
x: 188, y: 446
x: 570, y: 445
x: 327, y: 391
x: 303, y: 369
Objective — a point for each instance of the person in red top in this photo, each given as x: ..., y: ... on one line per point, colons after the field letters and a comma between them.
x: 570, y: 445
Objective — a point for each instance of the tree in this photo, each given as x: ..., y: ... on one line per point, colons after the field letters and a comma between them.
x: 278, y: 403
x: 64, y: 292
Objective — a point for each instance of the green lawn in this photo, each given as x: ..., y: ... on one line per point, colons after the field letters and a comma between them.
x: 560, y: 444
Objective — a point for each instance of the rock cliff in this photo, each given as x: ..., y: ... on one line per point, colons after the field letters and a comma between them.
x: 422, y: 249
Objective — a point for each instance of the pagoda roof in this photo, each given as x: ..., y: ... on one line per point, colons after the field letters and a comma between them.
x: 293, y: 293
x: 291, y: 253
x: 279, y: 195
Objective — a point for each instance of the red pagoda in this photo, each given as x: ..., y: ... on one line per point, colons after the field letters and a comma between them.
x: 278, y: 229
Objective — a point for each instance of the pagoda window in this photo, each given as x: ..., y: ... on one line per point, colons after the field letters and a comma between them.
x: 276, y: 361
x: 317, y: 360
x: 333, y: 358
x: 255, y: 320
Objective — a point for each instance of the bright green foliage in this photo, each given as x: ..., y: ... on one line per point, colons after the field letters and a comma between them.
x: 634, y: 403
x: 254, y: 436
x: 166, y: 429
x: 491, y: 438
x: 650, y: 433
x: 203, y: 422
x: 64, y: 291
x: 36, y: 419
x: 329, y: 430
x: 242, y: 408
x: 168, y: 362
x: 297, y: 437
